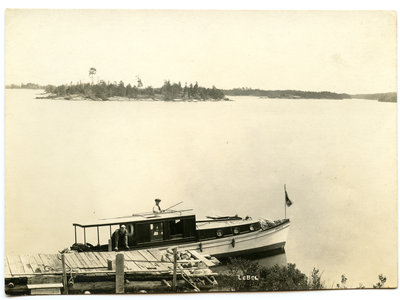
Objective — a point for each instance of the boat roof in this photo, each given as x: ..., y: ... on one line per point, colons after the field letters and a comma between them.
x: 205, y: 224
x: 134, y: 218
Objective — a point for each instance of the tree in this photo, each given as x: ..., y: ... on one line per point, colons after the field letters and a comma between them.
x: 121, y: 89
x: 195, y: 89
x: 139, y: 82
x: 275, y: 278
x: 190, y: 92
x: 283, y: 278
x: 92, y: 72
x: 381, y: 282
x: 185, y: 90
x: 129, y: 90
x: 314, y: 282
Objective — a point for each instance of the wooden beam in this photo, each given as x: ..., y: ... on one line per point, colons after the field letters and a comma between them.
x: 39, y: 279
x: 103, y: 286
x: 166, y: 283
x: 44, y: 285
x: 47, y: 291
x: 129, y: 286
x: 198, y: 256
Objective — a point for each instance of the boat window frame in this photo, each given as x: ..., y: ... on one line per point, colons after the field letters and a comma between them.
x: 160, y: 231
x: 182, y: 236
x: 182, y: 229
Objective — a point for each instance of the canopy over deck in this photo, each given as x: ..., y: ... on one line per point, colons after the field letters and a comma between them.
x: 134, y: 218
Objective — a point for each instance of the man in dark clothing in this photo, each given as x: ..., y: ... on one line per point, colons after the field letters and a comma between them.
x: 120, y: 238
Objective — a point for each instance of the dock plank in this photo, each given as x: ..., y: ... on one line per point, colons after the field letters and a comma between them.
x: 39, y: 262
x: 101, y: 259
x: 95, y: 259
x: 7, y: 271
x: 26, y: 265
x: 33, y: 263
x: 131, y: 258
x: 92, y: 261
x: 142, y: 260
x: 157, y: 254
x: 148, y: 256
x: 48, y: 266
x: 70, y: 261
x: 129, y: 263
x: 108, y: 256
x: 151, y: 258
x: 198, y: 256
x: 83, y: 260
x: 15, y: 265
x: 76, y: 260
x: 135, y: 257
x: 79, y: 261
x: 55, y: 261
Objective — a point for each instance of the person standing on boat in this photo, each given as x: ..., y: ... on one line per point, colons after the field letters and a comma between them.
x: 157, y: 209
x: 120, y: 238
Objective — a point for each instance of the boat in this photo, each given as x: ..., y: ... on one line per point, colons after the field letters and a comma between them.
x: 217, y: 236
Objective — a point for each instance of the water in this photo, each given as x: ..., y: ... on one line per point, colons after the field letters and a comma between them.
x: 70, y: 161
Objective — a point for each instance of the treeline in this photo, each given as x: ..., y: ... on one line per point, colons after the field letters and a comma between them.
x: 245, y: 275
x: 28, y: 85
x: 287, y: 94
x: 381, y: 97
x: 169, y: 91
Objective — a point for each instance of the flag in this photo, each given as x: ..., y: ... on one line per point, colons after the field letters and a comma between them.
x: 287, y: 200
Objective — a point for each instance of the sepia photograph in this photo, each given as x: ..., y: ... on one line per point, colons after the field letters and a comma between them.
x: 199, y: 151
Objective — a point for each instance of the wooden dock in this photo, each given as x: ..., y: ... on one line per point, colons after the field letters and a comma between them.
x: 95, y: 272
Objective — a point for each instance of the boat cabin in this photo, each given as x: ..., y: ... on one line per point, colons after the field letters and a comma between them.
x: 144, y: 230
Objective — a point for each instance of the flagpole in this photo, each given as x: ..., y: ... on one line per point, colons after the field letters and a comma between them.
x: 284, y: 202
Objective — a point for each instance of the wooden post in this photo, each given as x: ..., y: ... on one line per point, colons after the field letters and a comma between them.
x: 109, y: 264
x: 84, y: 235
x: 65, y: 283
x: 119, y: 274
x: 175, y: 265
x: 109, y: 245
x: 75, y: 235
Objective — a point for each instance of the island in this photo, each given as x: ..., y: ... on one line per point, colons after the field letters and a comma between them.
x: 381, y: 97
x: 285, y: 94
x: 106, y: 91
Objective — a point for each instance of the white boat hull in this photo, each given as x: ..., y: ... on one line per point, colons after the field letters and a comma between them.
x: 243, y: 244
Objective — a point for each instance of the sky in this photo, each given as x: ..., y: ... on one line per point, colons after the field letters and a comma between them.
x: 339, y: 51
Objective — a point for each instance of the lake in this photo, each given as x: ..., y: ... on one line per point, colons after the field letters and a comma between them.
x: 67, y: 161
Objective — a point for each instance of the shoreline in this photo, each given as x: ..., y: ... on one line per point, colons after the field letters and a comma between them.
x: 124, y: 99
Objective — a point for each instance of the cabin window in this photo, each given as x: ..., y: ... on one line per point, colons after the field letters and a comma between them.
x: 156, y: 231
x: 176, y: 228
x: 143, y: 233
